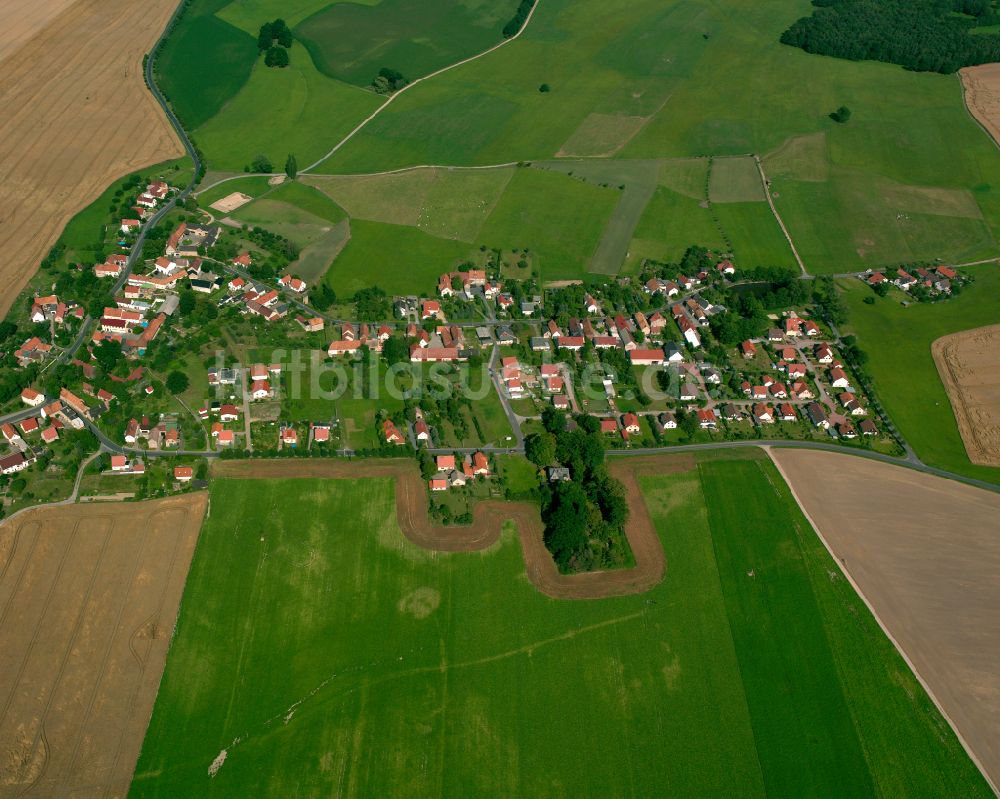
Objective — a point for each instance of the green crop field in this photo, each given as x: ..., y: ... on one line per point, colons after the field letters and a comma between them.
x: 450, y: 203
x: 249, y: 15
x: 397, y: 259
x: 352, y: 41
x: 906, y: 379
x: 279, y: 112
x: 858, y: 193
x: 204, y: 63
x: 329, y: 656
x: 557, y: 217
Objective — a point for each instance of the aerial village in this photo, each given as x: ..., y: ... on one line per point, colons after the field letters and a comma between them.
x: 660, y: 358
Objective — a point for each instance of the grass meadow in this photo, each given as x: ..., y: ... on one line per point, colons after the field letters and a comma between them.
x: 352, y: 41
x: 332, y: 657
x: 712, y: 80
x: 559, y: 218
x: 204, y: 63
x: 906, y: 379
x: 396, y: 258
x: 278, y: 112
x: 450, y: 203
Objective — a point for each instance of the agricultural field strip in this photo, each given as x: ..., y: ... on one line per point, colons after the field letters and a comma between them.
x: 948, y: 673
x: 48, y: 748
x: 489, y: 518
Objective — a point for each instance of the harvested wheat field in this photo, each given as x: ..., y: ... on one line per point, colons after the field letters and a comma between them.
x: 982, y: 96
x: 969, y: 365
x: 924, y: 553
x: 489, y: 517
x: 77, y: 116
x: 88, y: 599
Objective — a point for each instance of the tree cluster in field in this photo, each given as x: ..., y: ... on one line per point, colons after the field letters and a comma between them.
x: 517, y: 21
x: 584, y: 517
x: 388, y: 81
x: 922, y: 35
x: 372, y: 304
x: 273, y: 41
x: 322, y: 297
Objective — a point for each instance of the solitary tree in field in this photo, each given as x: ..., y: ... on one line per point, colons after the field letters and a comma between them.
x: 277, y: 56
x: 177, y: 382
x: 841, y: 115
x: 291, y: 167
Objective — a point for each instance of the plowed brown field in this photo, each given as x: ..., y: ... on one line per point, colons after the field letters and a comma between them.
x: 489, y: 517
x: 88, y: 599
x: 924, y: 553
x: 982, y: 96
x: 76, y: 116
x: 969, y: 365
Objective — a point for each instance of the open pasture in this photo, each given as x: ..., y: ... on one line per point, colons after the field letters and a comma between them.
x: 397, y: 259
x: 686, y: 67
x: 450, y: 203
x: 358, y: 663
x: 278, y: 112
x: 352, y: 41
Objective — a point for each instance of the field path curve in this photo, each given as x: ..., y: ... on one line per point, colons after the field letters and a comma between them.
x: 489, y: 517
x: 417, y: 82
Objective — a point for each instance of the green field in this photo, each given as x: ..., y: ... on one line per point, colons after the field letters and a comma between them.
x: 352, y: 41
x: 279, y: 112
x: 559, y: 218
x: 450, y: 203
x: 332, y: 657
x: 397, y: 259
x: 249, y: 15
x: 204, y: 63
x: 712, y: 80
x: 906, y: 379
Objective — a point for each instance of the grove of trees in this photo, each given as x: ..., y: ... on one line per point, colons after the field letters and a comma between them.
x: 922, y: 35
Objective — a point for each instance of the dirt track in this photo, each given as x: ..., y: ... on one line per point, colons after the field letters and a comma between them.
x: 982, y: 96
x: 76, y: 116
x: 969, y: 365
x: 489, y: 516
x: 925, y: 554
x: 88, y: 599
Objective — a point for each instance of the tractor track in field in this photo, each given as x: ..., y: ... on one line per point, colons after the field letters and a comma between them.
x: 489, y: 517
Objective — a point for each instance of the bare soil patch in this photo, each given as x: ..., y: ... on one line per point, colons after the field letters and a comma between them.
x: 924, y: 553
x: 231, y: 202
x: 77, y: 115
x: 489, y: 517
x: 88, y: 600
x: 969, y: 365
x: 982, y: 96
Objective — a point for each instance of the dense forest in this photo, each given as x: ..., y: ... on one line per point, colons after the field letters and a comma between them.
x: 922, y: 35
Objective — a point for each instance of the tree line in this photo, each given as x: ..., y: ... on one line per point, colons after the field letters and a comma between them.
x: 921, y: 35
x: 517, y: 21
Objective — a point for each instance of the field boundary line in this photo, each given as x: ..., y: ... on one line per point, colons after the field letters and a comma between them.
x: 774, y: 210
x: 842, y: 567
x: 417, y: 82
